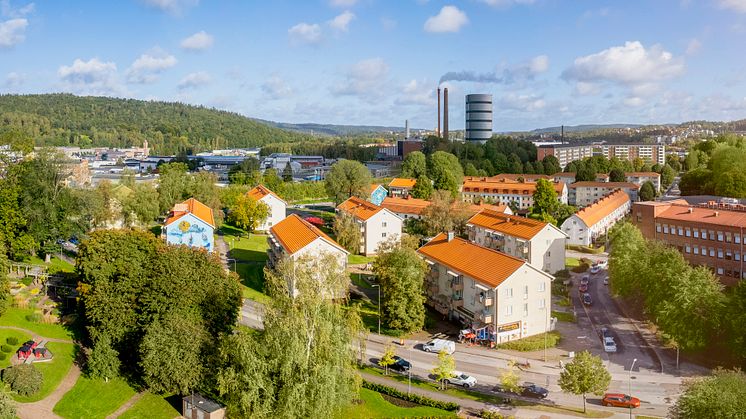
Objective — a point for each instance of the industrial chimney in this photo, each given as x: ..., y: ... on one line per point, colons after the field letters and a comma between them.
x: 437, y: 131
x: 445, y: 113
x: 406, y: 129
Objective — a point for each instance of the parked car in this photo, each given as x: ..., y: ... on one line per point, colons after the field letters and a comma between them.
x: 463, y: 380
x: 532, y: 390
x: 602, y: 264
x: 595, y: 269
x: 606, y: 333
x: 437, y: 345
x: 585, y: 279
x: 583, y: 288
x: 620, y: 400
x: 587, y: 299
x: 609, y: 345
x: 400, y: 364
x: 606, y: 281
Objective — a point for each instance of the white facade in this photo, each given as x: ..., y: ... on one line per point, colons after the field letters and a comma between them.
x: 377, y: 229
x: 581, y: 233
x: 584, y: 195
x: 277, y: 211
x: 545, y: 250
x: 503, y: 194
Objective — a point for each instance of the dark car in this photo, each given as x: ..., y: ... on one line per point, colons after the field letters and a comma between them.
x: 587, y: 299
x: 606, y: 333
x: 534, y: 391
x: 400, y: 364
x: 585, y: 279
x: 583, y: 288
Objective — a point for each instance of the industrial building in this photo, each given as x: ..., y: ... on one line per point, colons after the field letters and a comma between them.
x: 478, y: 117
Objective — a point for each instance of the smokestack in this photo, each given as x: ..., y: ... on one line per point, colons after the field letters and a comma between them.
x: 445, y: 113
x: 562, y: 134
x: 437, y: 131
x: 406, y: 129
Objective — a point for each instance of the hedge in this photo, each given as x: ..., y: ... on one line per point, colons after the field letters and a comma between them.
x: 5, y: 348
x: 411, y: 397
x: 581, y: 268
x: 11, y: 340
x: 3, y: 356
x: 586, y: 249
x: 532, y: 343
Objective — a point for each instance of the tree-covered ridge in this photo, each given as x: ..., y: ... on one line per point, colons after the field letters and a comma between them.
x: 68, y: 120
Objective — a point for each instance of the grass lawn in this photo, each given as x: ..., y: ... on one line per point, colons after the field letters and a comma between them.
x: 564, y: 316
x: 93, y: 398
x: 151, y: 406
x: 375, y: 406
x: 359, y: 259
x: 53, y: 371
x: 572, y: 262
x: 311, y: 201
x: 6, y: 333
x: 532, y: 343
x: 56, y: 265
x: 369, y: 315
x: 252, y: 282
x: 252, y: 248
x: 15, y: 316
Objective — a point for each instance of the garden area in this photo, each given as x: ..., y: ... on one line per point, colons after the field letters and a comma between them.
x: 91, y: 398
x: 376, y: 405
x: 250, y: 254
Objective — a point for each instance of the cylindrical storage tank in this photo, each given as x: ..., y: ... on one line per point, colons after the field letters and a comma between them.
x: 478, y: 125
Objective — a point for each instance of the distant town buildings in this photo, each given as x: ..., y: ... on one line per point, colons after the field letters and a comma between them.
x: 583, y: 194
x: 595, y: 220
x: 190, y: 223
x: 653, y: 153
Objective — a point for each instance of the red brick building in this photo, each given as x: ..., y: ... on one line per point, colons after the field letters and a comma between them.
x: 709, y: 235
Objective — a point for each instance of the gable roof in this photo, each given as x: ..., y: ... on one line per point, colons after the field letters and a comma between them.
x: 194, y: 207
x: 359, y: 208
x: 526, y: 177
x: 294, y: 233
x: 374, y: 187
x: 603, y: 207
x: 260, y: 191
x: 524, y: 228
x: 405, y: 205
x: 402, y: 182
x: 504, y: 186
x: 608, y: 185
x: 484, y: 265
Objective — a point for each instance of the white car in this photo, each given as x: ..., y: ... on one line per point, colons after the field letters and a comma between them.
x: 609, y: 344
x: 595, y: 269
x: 602, y: 264
x: 437, y: 345
x: 463, y: 380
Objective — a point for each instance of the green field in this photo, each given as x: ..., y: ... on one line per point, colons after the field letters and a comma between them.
x: 572, y: 262
x: 56, y: 265
x: 93, y: 398
x: 252, y: 248
x: 151, y: 406
x: 6, y: 333
x: 54, y: 371
x: 373, y: 405
x: 17, y: 317
x: 359, y: 259
x: 252, y: 282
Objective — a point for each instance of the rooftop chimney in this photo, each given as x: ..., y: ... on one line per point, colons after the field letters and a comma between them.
x: 437, y: 131
x: 450, y: 235
x: 445, y: 114
x: 691, y: 210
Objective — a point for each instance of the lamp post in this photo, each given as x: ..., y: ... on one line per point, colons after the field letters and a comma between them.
x: 379, y: 306
x: 234, y: 263
x: 629, y: 386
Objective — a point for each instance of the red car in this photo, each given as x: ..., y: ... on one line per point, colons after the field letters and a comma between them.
x: 620, y: 400
x: 583, y: 288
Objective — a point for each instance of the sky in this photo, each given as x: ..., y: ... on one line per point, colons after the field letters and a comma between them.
x: 379, y: 62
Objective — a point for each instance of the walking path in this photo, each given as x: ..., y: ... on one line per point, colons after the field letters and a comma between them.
x: 123, y: 408
x: 43, y: 408
x: 36, y: 336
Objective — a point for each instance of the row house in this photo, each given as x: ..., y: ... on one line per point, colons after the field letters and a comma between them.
x: 583, y: 194
x: 377, y: 224
x: 412, y: 208
x: 505, y: 192
x: 595, y: 220
x: 401, y: 187
x: 483, y: 287
x: 277, y: 206
x: 540, y: 244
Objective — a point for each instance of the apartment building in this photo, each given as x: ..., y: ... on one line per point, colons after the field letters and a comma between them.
x: 295, y: 237
x: 564, y: 153
x: 190, y: 223
x: 595, y: 220
x: 483, y: 287
x: 540, y: 244
x: 653, y: 153
x: 709, y: 235
x: 413, y: 208
x: 401, y: 187
x: 277, y: 206
x: 377, y: 224
x: 583, y: 194
x: 638, y: 178
x: 505, y: 192
x: 377, y: 194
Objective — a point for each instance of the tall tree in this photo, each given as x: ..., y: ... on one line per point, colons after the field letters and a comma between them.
x: 287, y: 173
x: 445, y: 171
x: 414, y: 165
x: 617, y: 175
x: 348, y: 178
x: 347, y: 232
x: 444, y: 369
x: 173, y: 184
x: 509, y: 379
x: 7, y: 406
x: 423, y: 189
x: 103, y: 359
x: 272, y: 180
x: 546, y: 202
x: 735, y: 316
x: 667, y: 176
x: 444, y: 214
x: 247, y: 213
x: 401, y: 273
x: 584, y: 374
x: 722, y: 395
x: 203, y: 187
x: 245, y: 173
x: 141, y: 206
x: 551, y: 165
x: 647, y: 191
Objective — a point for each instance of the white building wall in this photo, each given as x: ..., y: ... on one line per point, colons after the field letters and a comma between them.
x: 548, y: 250
x: 277, y: 211
x: 577, y: 230
x: 380, y: 228
x: 524, y: 297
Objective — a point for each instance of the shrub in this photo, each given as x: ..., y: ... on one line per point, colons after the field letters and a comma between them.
x: 24, y: 379
x: 532, y: 343
x: 581, y: 268
x: 414, y: 398
x: 3, y: 356
x: 562, y: 274
x: 5, y: 348
x: 490, y: 414
x: 34, y: 317
x: 12, y: 340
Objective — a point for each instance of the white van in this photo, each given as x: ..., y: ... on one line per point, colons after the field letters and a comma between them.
x: 437, y: 345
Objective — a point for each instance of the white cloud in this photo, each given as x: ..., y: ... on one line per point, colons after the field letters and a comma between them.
x: 9, y: 11
x: 539, y: 64
x: 342, y: 21
x: 450, y: 19
x: 417, y: 92
x: 305, y: 33
x: 276, y: 88
x: 12, y: 32
x: 634, y: 101
x: 735, y: 5
x: 364, y: 78
x: 506, y: 3
x: 147, y: 68
x: 342, y: 3
x: 504, y: 74
x: 520, y: 102
x: 171, y: 6
x: 198, y: 42
x: 586, y: 88
x: 194, y: 80
x: 693, y: 46
x: 14, y: 79
x: 92, y: 77
x: 630, y: 65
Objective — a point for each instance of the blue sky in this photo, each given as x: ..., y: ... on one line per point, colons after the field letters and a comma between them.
x: 547, y: 62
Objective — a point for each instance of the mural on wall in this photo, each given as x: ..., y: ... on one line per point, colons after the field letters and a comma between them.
x: 378, y: 195
x: 190, y: 234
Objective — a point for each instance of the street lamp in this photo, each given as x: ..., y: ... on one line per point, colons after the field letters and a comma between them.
x: 629, y: 386
x: 379, y: 306
x: 234, y: 263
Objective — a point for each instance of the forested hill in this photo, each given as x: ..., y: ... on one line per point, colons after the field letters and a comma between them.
x: 68, y: 120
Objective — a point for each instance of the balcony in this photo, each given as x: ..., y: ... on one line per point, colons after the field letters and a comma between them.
x: 433, y: 289
x: 484, y: 316
x: 457, y: 286
x: 457, y: 303
x: 488, y: 302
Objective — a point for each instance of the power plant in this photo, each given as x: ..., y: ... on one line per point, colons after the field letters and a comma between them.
x: 445, y: 113
x: 478, y: 117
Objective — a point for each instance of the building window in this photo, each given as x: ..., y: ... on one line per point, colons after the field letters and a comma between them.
x: 681, y: 231
x: 696, y: 250
x: 737, y: 238
x: 509, y: 292
x: 665, y: 229
x: 712, y: 235
x: 728, y: 238
x: 704, y: 234
x: 720, y: 253
x: 657, y: 228
x: 688, y: 232
x: 542, y: 287
x: 525, y: 292
x: 509, y: 310
x: 728, y: 255
x: 383, y: 234
x: 696, y: 234
x: 720, y: 236
x: 712, y: 252
x: 542, y: 304
x: 525, y: 310
x: 737, y: 256
x: 720, y: 271
x: 688, y: 249
x: 383, y: 224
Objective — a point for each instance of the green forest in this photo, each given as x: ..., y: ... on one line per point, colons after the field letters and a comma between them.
x: 68, y: 120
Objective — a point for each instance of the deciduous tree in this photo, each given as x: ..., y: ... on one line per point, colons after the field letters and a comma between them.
x: 401, y: 274
x: 247, y: 213
x: 423, y: 189
x: 173, y: 184
x: 444, y: 369
x: 103, y: 359
x: 722, y: 395
x: 584, y: 374
x: 414, y: 165
x: 509, y: 379
x: 348, y: 178
x: 445, y: 171
x: 617, y: 175
x: 647, y: 191
x: 387, y: 359
x: 347, y: 232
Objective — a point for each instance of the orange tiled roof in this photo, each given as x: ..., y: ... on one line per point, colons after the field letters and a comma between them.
x: 603, y: 207
x: 359, y: 208
x: 260, y: 191
x: 524, y: 228
x: 373, y: 187
x: 405, y: 205
x: 526, y: 177
x: 484, y: 265
x: 608, y: 185
x: 401, y: 182
x: 703, y: 215
x: 294, y: 233
x: 192, y: 206
x: 504, y: 186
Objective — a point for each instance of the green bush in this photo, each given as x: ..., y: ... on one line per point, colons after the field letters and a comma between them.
x: 414, y: 398
x: 583, y: 267
x: 532, y: 343
x: 586, y: 249
x: 34, y: 317
x: 12, y: 340
x: 24, y: 379
x: 562, y: 274
x: 5, y: 348
x: 489, y: 414
x: 3, y: 356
